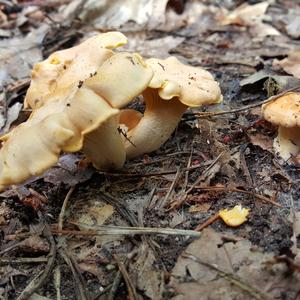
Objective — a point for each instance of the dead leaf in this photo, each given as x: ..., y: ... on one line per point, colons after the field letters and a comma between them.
x: 115, y: 14
x: 18, y: 55
x: 96, y: 215
x: 203, y: 207
x: 292, y: 24
x: 5, y: 212
x: 262, y: 141
x: 228, y: 271
x: 153, y: 48
x: 67, y: 171
x: 34, y: 244
x: 291, y: 64
x: 11, y: 115
x: 251, y: 16
x: 259, y: 78
x: 149, y: 279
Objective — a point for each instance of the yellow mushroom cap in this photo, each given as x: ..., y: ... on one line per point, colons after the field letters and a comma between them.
x: 60, y: 125
x: 173, y: 88
x: 65, y: 67
x: 121, y: 78
x: 234, y: 217
x: 193, y: 86
x: 284, y: 111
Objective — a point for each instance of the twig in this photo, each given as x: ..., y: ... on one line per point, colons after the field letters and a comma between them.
x: 57, y: 280
x: 132, y: 294
x: 253, y: 292
x: 244, y: 165
x: 272, y: 98
x: 207, y: 222
x: 166, y: 198
x: 79, y: 285
x: 178, y: 203
x: 37, y: 282
x: 22, y: 260
x: 236, y: 190
x: 204, y: 173
x: 150, y: 174
x: 121, y: 208
x: 63, y: 208
x: 115, y: 286
x: 125, y: 230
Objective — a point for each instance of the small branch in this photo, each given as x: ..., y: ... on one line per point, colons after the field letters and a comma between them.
x: 179, y: 203
x: 235, y: 190
x: 115, y: 286
x: 150, y: 174
x: 79, y: 282
x: 270, y: 99
x: 166, y: 198
x: 57, y: 281
x: 124, y: 230
x: 132, y: 294
x: 63, y: 208
x: 207, y: 222
x: 22, y: 260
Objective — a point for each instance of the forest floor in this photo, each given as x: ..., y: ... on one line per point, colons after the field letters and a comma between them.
x: 150, y: 230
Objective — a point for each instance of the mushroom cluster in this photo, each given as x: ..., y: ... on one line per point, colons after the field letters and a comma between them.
x: 78, y: 98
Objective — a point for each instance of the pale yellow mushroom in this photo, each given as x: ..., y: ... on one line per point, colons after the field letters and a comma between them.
x: 285, y: 112
x: 59, y: 125
x: 173, y: 88
x: 65, y: 67
x: 74, y: 118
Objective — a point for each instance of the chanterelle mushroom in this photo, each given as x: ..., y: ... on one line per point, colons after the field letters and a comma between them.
x: 285, y: 112
x: 65, y: 67
x: 74, y: 117
x: 173, y: 88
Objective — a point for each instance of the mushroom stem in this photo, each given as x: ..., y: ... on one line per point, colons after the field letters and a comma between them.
x: 104, y: 146
x: 156, y: 126
x: 287, y: 142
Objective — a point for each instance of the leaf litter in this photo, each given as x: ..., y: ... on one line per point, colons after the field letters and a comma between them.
x: 251, y: 49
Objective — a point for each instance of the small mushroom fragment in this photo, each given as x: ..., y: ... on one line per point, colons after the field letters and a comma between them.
x: 285, y: 112
x: 65, y: 67
x: 234, y: 217
x: 173, y: 88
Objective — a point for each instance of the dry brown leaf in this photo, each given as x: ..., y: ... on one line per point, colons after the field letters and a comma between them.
x: 115, y: 14
x: 245, y: 14
x: 195, y: 276
x: 96, y: 215
x: 67, y: 171
x: 251, y: 16
x: 153, y: 48
x: 262, y: 141
x: 148, y: 278
x: 291, y: 64
x: 18, y: 54
x: 4, y: 213
x: 34, y: 244
x: 203, y: 207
